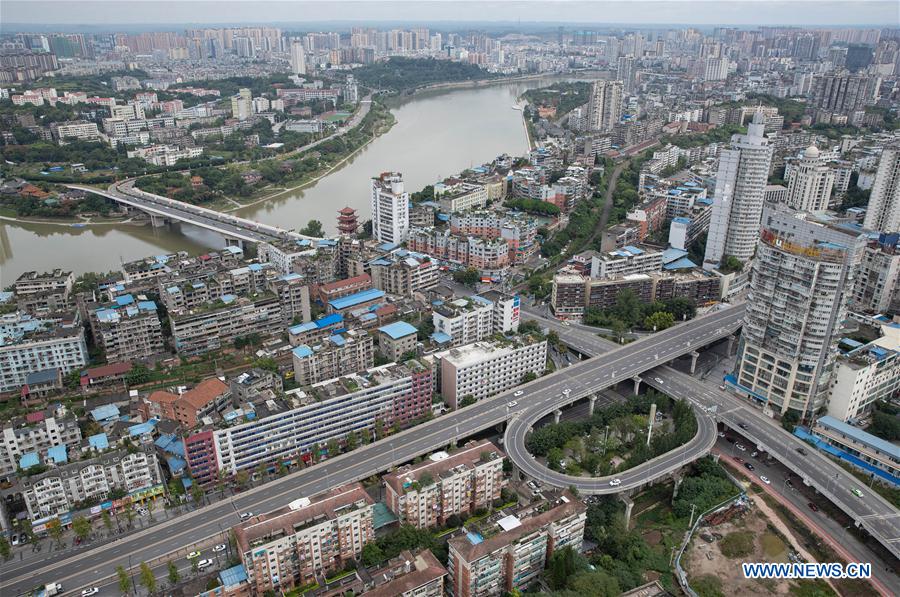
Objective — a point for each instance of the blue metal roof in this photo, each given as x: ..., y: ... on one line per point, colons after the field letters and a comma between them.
x: 337, y: 340
x: 29, y: 460
x: 99, y: 441
x: 683, y: 263
x: 58, y: 454
x: 358, y: 298
x: 303, y: 327
x: 682, y: 220
x: 42, y: 376
x: 302, y: 351
x: 105, y: 412
x: 142, y: 428
x: 441, y: 337
x: 233, y: 576
x: 125, y: 299
x: 176, y: 464
x: 860, y: 436
x: 398, y: 329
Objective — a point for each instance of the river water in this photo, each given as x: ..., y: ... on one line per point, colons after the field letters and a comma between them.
x: 437, y: 134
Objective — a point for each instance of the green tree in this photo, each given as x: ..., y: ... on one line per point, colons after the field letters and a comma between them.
x: 174, y: 577
x: 352, y: 440
x: 469, y: 276
x: 467, y: 400
x: 627, y: 308
x: 147, y: 578
x: 82, y: 527
x: 197, y: 493
x: 529, y: 376
x: 55, y: 529
x: 659, y: 321
x: 73, y: 379
x: 790, y: 419
x: 124, y: 580
x: 139, y: 374
x: 593, y: 584
x: 313, y: 228
x: 195, y: 564
x: 107, y: 520
x: 372, y: 554
x: 5, y: 548
x: 730, y: 263
x: 885, y: 426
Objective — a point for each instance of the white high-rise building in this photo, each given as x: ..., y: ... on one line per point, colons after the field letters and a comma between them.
x: 716, y: 69
x: 390, y: 208
x: 811, y: 181
x: 739, y: 196
x: 625, y: 73
x: 605, y: 106
x: 801, y: 282
x: 298, y: 58
x: 883, y: 212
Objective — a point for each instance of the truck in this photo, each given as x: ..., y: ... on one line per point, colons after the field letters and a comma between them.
x: 48, y: 590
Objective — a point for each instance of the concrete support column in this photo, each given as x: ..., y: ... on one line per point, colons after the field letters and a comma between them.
x: 629, y: 506
x: 515, y: 473
x: 637, y: 383
x: 158, y: 221
x: 678, y: 479
x: 732, y: 339
x: 694, y: 356
x: 234, y: 242
x: 592, y: 400
x: 556, y: 415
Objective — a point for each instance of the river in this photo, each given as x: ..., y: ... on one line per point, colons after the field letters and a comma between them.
x: 437, y: 134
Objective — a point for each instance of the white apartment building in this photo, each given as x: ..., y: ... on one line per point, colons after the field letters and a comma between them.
x: 866, y: 375
x: 625, y: 261
x: 883, y: 211
x: 126, y: 330
x: 507, y: 311
x: 81, y: 130
x: 310, y: 537
x: 29, y: 344
x: 165, y: 155
x: 333, y: 357
x: 739, y: 195
x: 877, y: 288
x: 426, y: 494
x: 485, y: 369
x: 461, y: 196
x: 464, y: 320
x: 390, y: 208
x: 809, y: 188
x: 23, y: 436
x: 298, y: 58
x: 58, y: 490
x: 800, y: 285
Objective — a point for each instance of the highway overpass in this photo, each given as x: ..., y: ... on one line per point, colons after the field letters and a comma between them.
x: 871, y: 512
x: 95, y: 562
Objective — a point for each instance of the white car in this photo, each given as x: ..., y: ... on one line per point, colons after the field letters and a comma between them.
x: 615, y: 482
x: 193, y: 554
x: 90, y: 591
x: 220, y: 547
x: 567, y: 391
x: 721, y: 434
x: 512, y: 404
x: 518, y: 393
x: 204, y: 564
x: 740, y: 447
x: 565, y: 323
x: 658, y: 380
x: 765, y: 479
x: 246, y: 515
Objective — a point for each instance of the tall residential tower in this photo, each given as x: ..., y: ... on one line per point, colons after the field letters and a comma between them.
x: 883, y: 212
x: 390, y: 208
x: 738, y: 199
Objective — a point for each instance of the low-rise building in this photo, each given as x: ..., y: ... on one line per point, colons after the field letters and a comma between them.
x: 188, y: 407
x: 36, y: 433
x: 409, y: 575
x: 165, y: 155
x: 625, y: 261
x: 308, y: 539
x: 460, y: 196
x: 865, y: 374
x: 516, y: 554
x: 485, y: 369
x: 58, y: 490
x: 877, y: 288
x: 334, y: 356
x: 427, y: 494
x: 859, y: 448
x: 404, y: 273
x: 127, y: 329
x: 397, y: 339
x: 29, y: 344
x: 341, y: 288
x: 80, y: 130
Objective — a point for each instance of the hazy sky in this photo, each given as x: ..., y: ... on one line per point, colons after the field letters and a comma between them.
x: 700, y: 12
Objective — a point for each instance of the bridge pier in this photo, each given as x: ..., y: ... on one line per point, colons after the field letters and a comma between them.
x: 678, y: 479
x: 637, y: 383
x: 158, y: 221
x: 694, y: 356
x: 629, y: 506
x: 234, y: 242
x: 731, y: 341
x: 556, y: 415
x: 592, y: 400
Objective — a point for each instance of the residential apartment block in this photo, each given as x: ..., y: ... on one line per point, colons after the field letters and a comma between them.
x: 426, y: 494
x: 333, y: 357
x: 464, y: 320
x: 127, y: 329
x: 865, y: 374
x: 311, y: 537
x: 516, y: 554
x: 36, y: 433
x: 485, y: 369
x: 404, y: 273
x: 29, y: 345
x: 188, y: 407
x: 215, y: 325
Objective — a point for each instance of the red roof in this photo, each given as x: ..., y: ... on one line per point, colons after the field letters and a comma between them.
x: 347, y: 211
x: 36, y: 417
x: 107, y: 370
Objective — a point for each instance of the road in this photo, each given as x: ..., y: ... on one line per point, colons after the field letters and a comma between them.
x: 871, y: 512
x: 203, y: 525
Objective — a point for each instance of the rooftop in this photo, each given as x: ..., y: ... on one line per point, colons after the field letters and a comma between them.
x: 398, y: 329
x: 860, y: 436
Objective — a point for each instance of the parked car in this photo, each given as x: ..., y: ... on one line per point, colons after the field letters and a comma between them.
x: 765, y: 479
x: 246, y: 515
x: 90, y: 591
x: 220, y: 547
x: 204, y: 564
x: 748, y: 466
x: 813, y: 507
x: 518, y: 393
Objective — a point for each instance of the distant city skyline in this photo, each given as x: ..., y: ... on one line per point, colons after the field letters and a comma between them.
x: 100, y: 13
